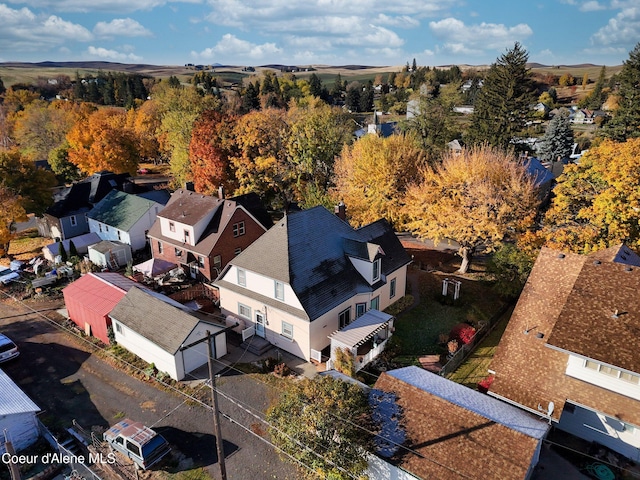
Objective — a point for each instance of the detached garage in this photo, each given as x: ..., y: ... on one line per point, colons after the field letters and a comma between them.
x: 90, y: 299
x: 155, y: 327
x: 18, y: 421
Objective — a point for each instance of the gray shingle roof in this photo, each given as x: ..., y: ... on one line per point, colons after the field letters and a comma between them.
x: 120, y: 210
x: 156, y: 317
x: 306, y: 249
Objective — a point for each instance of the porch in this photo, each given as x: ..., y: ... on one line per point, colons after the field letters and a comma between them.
x: 366, y: 338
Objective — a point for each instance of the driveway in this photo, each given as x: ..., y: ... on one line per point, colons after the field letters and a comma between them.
x: 62, y: 376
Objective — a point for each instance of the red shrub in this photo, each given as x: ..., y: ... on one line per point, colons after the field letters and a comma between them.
x: 485, y: 384
x: 463, y: 332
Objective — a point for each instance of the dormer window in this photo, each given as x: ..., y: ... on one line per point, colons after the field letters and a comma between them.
x: 186, y: 237
x: 376, y: 270
x: 242, y: 277
x: 279, y: 290
x: 172, y: 227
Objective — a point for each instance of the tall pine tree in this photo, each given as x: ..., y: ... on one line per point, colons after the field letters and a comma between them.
x: 503, y: 105
x: 557, y: 141
x: 626, y: 120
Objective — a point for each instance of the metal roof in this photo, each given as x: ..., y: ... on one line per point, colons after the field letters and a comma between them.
x: 12, y: 399
x: 99, y: 292
x: 362, y: 328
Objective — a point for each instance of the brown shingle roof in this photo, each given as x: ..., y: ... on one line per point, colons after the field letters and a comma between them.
x: 189, y: 207
x: 570, y: 299
x: 449, y: 441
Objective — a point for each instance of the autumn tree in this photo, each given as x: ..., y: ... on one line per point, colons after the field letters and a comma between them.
x: 316, y: 137
x: 11, y: 212
x: 557, y: 141
x: 103, y: 141
x: 626, y: 119
x: 145, y: 122
x: 478, y: 199
x: 261, y: 164
x: 596, y: 204
x: 60, y: 165
x: 210, y: 151
x: 179, y: 108
x: 503, y: 105
x: 372, y: 174
x: 323, y: 424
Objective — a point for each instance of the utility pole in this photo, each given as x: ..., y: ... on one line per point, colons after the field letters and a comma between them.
x: 209, y: 337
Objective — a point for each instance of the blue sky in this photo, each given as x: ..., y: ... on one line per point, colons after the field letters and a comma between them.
x: 318, y: 32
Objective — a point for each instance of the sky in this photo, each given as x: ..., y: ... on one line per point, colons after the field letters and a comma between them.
x: 318, y: 32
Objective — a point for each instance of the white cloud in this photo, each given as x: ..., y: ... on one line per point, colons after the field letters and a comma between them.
x: 107, y: 54
x: 231, y: 46
x: 592, y: 6
x: 121, y: 27
x: 120, y: 6
x: 623, y: 29
x: 24, y: 31
x: 398, y: 21
x: 476, y: 39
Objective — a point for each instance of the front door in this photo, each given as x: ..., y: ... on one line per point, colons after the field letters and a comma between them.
x: 260, y: 324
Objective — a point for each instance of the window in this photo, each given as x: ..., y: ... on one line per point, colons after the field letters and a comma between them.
x: 172, y: 227
x: 100, y: 227
x: 119, y: 236
x: 186, y: 237
x: 178, y: 252
x: 375, y: 303
x: 287, y: 330
x: 279, y: 290
x: 244, y: 310
x: 238, y: 229
x: 217, y: 261
x: 133, y: 448
x: 160, y: 248
x: 200, y: 261
x: 119, y: 328
x: 361, y: 309
x: 73, y: 220
x: 242, y: 277
x: 237, y: 251
x: 376, y: 270
x: 344, y: 318
x: 612, y: 372
x: 106, y: 228
x: 392, y: 288
x: 630, y: 377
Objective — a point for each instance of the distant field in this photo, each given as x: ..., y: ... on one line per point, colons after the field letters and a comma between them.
x: 12, y: 73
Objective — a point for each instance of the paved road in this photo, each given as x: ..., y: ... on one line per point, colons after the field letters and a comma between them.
x: 68, y: 382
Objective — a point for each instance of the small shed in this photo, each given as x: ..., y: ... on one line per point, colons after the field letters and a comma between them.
x: 158, y: 337
x: 81, y: 242
x: 18, y: 422
x: 110, y: 253
x: 90, y: 299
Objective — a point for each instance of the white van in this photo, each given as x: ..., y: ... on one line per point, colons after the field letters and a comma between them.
x: 8, y: 349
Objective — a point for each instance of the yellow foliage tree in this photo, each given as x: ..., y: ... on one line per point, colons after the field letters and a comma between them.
x: 104, y: 141
x: 372, y: 174
x: 11, y: 212
x: 478, y: 199
x: 596, y: 204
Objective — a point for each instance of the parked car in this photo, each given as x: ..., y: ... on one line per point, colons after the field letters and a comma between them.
x: 7, y: 275
x: 8, y: 349
x: 137, y: 442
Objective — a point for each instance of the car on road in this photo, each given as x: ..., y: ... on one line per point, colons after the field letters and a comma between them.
x: 8, y: 349
x: 141, y: 444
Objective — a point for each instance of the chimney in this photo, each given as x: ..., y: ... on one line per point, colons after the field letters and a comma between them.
x: 341, y: 211
x: 221, y: 192
x: 189, y: 186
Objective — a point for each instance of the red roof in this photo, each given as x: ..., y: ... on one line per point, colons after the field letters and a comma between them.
x: 99, y: 292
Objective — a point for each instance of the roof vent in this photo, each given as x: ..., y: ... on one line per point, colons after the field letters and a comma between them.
x: 615, y: 314
x: 597, y: 262
x: 539, y: 335
x: 561, y: 255
x: 628, y: 269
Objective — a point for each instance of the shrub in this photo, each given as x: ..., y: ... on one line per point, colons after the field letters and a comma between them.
x: 463, y: 333
x: 282, y: 370
x: 269, y: 364
x: 485, y: 384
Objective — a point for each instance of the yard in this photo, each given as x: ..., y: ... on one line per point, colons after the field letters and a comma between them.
x: 424, y: 328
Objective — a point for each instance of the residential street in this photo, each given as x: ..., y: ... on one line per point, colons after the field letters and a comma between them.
x: 67, y: 382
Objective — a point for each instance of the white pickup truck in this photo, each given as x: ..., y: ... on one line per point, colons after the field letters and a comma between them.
x: 137, y: 442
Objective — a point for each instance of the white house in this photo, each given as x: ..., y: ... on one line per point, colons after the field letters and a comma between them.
x: 156, y: 328
x: 18, y: 421
x: 123, y: 217
x: 310, y: 275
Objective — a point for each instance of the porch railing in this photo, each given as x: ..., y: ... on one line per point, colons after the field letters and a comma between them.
x: 362, y: 360
x: 248, y: 333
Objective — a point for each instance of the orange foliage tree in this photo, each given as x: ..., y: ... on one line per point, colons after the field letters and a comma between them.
x: 104, y: 141
x: 210, y: 151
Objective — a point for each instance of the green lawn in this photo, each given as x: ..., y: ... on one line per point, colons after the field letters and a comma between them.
x: 417, y: 331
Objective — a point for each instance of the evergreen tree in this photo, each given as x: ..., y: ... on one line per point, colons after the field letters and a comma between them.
x: 73, y: 251
x: 251, y: 97
x: 503, y: 106
x: 62, y: 252
x: 354, y: 92
x: 338, y: 88
x: 174, y: 82
x: 366, y: 98
x: 2, y: 87
x: 315, y: 85
x: 557, y: 141
x: 626, y: 120
x: 597, y: 97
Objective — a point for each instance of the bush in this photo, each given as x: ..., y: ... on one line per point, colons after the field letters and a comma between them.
x: 282, y: 370
x: 269, y: 364
x: 463, y: 333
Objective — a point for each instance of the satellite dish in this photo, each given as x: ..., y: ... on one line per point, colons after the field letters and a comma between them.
x: 550, y: 408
